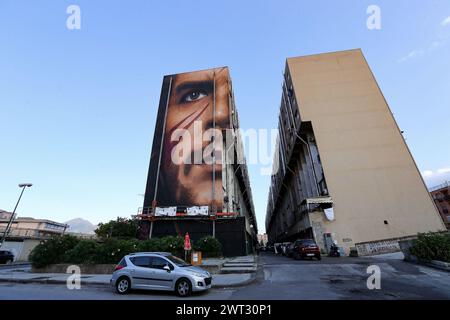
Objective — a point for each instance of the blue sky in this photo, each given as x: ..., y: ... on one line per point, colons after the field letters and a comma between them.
x: 78, y: 107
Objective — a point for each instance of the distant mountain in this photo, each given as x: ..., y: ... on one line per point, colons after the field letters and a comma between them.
x: 79, y: 225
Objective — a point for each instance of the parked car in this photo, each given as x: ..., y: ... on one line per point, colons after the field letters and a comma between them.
x: 159, y: 271
x: 284, y: 247
x: 278, y: 248
x: 290, y: 250
x: 306, y: 248
x: 6, y: 256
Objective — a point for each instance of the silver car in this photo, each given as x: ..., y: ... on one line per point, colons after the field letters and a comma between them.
x: 159, y: 271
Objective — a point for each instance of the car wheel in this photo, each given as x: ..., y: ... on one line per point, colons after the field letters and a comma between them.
x: 183, y: 287
x: 296, y: 257
x: 319, y: 257
x: 123, y: 285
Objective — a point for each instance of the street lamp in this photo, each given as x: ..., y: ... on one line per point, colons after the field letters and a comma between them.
x: 23, y: 186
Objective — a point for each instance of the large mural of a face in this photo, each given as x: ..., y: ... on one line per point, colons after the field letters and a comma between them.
x: 197, y: 103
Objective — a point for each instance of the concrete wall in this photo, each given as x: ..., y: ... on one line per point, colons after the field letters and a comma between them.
x: 85, y: 268
x: 369, y: 170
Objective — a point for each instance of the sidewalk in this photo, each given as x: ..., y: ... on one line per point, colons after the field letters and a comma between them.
x: 218, y: 280
x: 239, y: 271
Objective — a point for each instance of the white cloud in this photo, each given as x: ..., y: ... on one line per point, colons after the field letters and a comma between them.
x: 436, y: 177
x: 444, y: 170
x: 411, y: 55
x: 427, y: 173
x: 445, y: 22
x: 420, y: 52
x: 430, y: 48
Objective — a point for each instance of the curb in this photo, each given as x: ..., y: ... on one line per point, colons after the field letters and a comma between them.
x: 50, y: 281
x: 98, y: 283
x: 443, y: 266
x: 14, y: 264
x: 236, y: 285
x: 439, y: 265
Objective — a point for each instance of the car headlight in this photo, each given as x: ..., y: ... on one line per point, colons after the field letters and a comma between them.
x: 200, y: 275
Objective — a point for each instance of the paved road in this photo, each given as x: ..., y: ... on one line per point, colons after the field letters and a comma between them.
x: 283, y: 278
x: 343, y: 278
x: 32, y: 291
x: 18, y: 267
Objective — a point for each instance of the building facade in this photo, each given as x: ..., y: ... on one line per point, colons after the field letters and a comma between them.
x: 441, y: 196
x: 197, y: 180
x: 34, y: 228
x: 345, y: 173
x: 26, y: 233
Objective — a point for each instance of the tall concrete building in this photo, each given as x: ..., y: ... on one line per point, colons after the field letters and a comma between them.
x: 198, y: 181
x: 345, y: 172
x: 441, y: 196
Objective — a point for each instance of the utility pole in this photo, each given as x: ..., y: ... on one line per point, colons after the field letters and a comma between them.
x: 11, y: 219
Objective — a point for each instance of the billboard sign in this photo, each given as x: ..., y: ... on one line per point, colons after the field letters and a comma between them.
x: 186, y: 159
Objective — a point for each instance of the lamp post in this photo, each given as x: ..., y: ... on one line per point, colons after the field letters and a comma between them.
x: 8, y: 226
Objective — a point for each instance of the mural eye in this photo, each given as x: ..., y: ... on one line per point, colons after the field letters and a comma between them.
x: 194, y: 96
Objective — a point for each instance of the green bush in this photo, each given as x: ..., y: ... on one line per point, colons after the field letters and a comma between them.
x: 52, y: 250
x: 84, y: 252
x: 68, y: 249
x: 174, y: 245
x: 121, y: 228
x: 209, y: 246
x: 112, y: 250
x: 432, y: 246
x: 153, y: 244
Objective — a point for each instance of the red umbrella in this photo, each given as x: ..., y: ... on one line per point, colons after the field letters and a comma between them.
x: 187, y: 245
x: 187, y: 242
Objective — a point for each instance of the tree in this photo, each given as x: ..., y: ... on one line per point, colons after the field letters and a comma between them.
x: 121, y: 228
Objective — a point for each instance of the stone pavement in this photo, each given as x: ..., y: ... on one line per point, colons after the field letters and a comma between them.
x: 233, y: 265
x: 239, y: 278
x: 218, y: 280
x: 246, y: 264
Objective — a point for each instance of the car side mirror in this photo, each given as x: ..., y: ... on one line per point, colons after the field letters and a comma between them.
x: 167, y: 268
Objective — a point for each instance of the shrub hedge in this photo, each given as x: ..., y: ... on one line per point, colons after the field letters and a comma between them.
x: 69, y: 249
x: 432, y: 246
x: 52, y: 250
x: 209, y: 246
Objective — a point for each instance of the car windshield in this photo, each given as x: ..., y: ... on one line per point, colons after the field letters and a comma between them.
x: 177, y: 261
x: 307, y: 242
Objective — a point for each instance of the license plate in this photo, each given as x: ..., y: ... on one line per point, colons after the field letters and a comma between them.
x: 310, y: 255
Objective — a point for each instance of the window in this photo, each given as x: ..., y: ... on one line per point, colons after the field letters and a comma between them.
x: 141, y: 261
x: 305, y: 242
x: 123, y: 263
x: 159, y: 263
x: 178, y: 261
